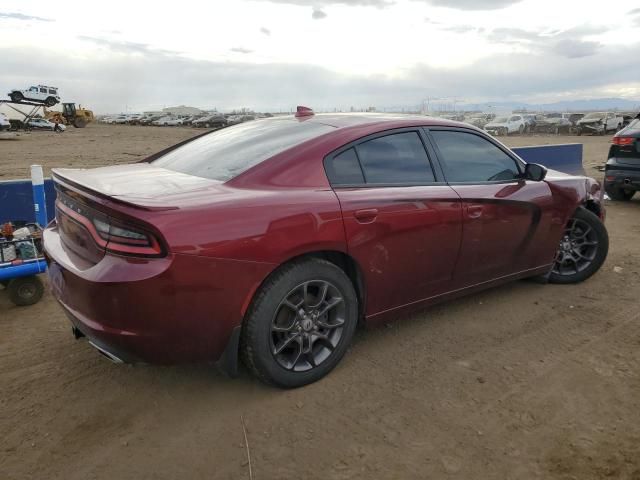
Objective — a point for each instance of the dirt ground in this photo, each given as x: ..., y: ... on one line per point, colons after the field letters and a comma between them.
x: 519, y: 382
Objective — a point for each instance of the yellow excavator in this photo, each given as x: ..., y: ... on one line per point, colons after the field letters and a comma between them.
x: 78, y: 117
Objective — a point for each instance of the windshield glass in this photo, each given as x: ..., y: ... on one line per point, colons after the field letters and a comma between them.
x: 226, y: 153
x: 594, y: 115
x: 635, y: 123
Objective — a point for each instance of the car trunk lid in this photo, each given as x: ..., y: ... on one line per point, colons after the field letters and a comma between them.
x: 92, y: 204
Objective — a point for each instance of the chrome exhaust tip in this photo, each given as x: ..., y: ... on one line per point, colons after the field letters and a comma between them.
x: 107, y: 354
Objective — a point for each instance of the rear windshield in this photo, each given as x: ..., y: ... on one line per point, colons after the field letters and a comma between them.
x: 226, y: 153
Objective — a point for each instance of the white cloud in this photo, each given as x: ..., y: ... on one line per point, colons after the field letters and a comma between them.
x: 365, y: 52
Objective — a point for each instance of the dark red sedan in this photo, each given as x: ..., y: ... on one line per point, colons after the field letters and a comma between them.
x: 271, y: 240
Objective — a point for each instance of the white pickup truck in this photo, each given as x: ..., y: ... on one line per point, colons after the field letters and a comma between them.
x: 600, y: 123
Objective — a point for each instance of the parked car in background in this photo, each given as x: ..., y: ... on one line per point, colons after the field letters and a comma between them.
x: 168, y: 121
x: 552, y: 123
x: 134, y: 118
x: 148, y: 119
x: 299, y: 230
x: 119, y: 120
x: 599, y: 122
x: 529, y: 122
x: 40, y: 94
x: 4, y: 122
x: 215, y: 120
x: 42, y: 124
x: 622, y: 171
x: 506, y: 125
x: 479, y: 120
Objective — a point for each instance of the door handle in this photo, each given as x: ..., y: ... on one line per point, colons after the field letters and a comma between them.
x: 474, y: 211
x: 366, y: 215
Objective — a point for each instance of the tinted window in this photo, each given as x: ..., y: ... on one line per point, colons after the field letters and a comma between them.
x: 223, y: 154
x: 397, y: 158
x: 43, y: 90
x: 344, y: 169
x: 471, y: 158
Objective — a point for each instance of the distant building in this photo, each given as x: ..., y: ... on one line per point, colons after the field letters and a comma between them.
x: 182, y: 110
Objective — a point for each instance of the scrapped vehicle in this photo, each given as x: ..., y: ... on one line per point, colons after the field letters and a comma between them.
x: 5, y: 124
x: 478, y: 120
x: 272, y: 240
x: 622, y: 171
x: 210, y: 121
x: 599, y: 122
x: 529, y: 123
x: 40, y: 94
x: 43, y: 124
x: 167, y: 121
x: 506, y: 125
x: 150, y: 118
x: 553, y: 123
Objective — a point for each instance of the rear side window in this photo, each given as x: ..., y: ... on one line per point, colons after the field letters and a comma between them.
x: 344, y: 169
x: 470, y: 158
x: 397, y: 158
x: 226, y: 153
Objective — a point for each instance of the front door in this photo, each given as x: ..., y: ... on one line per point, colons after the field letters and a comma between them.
x: 508, y: 222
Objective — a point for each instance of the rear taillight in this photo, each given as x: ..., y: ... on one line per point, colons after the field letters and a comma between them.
x: 623, y: 140
x: 113, y: 235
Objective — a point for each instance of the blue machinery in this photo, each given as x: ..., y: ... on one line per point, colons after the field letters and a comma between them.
x: 19, y: 275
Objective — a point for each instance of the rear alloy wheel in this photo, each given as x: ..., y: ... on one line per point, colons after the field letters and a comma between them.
x: 50, y: 102
x: 300, y: 324
x: 619, y: 194
x: 582, y: 250
x: 16, y: 97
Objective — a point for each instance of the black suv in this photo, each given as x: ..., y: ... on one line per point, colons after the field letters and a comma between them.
x: 622, y: 172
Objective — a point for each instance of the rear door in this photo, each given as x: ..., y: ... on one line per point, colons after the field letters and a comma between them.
x: 507, y: 221
x: 402, y: 222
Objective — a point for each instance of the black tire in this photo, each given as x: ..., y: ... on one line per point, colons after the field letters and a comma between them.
x: 50, y: 102
x: 17, y: 97
x: 271, y: 324
x: 579, y: 132
x: 25, y: 291
x: 591, y: 248
x: 619, y: 194
x: 521, y: 129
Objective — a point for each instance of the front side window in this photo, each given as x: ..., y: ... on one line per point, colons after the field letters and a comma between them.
x: 396, y: 158
x: 43, y: 90
x: 470, y: 158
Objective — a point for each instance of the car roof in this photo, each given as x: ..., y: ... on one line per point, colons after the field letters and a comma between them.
x: 371, y: 121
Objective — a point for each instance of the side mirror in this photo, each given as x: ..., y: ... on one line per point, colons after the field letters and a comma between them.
x: 535, y: 172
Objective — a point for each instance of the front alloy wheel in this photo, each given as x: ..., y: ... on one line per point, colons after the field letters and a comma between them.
x: 300, y: 323
x: 582, y: 250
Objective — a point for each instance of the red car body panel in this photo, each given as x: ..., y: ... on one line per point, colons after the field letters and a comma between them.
x: 413, y: 245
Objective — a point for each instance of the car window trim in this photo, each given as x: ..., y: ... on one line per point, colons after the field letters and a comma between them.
x: 437, y: 173
x: 520, y: 164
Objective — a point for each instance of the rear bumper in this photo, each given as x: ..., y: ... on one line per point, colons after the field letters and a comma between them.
x: 181, y: 308
x: 621, y: 175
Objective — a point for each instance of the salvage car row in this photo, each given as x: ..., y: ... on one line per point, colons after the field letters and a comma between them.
x: 598, y: 123
x: 201, y: 120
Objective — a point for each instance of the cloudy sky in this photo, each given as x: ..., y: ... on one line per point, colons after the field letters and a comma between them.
x: 274, y: 54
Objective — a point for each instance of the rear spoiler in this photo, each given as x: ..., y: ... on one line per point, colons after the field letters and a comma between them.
x: 100, y: 198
